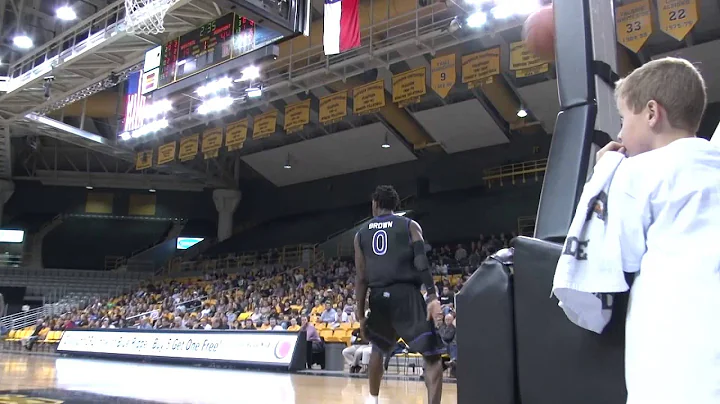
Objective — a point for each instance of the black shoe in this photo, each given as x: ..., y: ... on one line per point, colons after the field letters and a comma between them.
x: 354, y: 369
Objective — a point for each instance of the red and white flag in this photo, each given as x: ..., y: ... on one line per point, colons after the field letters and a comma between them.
x: 341, y: 26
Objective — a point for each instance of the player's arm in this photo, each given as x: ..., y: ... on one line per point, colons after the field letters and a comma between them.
x: 421, y: 261
x: 361, y: 282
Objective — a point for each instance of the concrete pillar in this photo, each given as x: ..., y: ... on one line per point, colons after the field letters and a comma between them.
x: 226, y: 201
x: 6, y: 190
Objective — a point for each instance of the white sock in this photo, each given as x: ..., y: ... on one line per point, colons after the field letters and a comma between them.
x: 372, y: 400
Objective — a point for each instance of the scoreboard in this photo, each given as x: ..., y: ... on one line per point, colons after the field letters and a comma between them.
x: 209, y: 45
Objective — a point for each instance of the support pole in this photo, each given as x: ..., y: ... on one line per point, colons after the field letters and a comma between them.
x: 586, y: 62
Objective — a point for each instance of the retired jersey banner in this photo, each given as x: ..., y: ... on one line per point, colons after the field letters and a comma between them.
x: 264, y: 125
x: 479, y: 67
x: 297, y: 115
x: 236, y: 134
x: 212, y: 142
x: 188, y: 147
x: 633, y: 23
x: 409, y: 86
x: 524, y: 62
x: 677, y: 17
x: 166, y: 153
x: 369, y: 97
x: 443, y: 76
x: 333, y: 107
x: 144, y: 159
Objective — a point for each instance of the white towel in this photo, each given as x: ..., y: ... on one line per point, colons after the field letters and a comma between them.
x: 583, y: 281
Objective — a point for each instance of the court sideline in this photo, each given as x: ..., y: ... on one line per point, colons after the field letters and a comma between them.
x: 79, y: 381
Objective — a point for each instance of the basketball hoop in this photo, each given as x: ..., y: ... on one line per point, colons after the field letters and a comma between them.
x: 146, y: 16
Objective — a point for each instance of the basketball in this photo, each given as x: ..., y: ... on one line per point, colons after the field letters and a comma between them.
x: 539, y: 33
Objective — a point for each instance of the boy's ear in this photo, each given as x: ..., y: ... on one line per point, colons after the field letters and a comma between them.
x: 653, y: 112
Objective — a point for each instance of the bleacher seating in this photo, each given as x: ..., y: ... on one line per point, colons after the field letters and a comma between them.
x: 63, y: 282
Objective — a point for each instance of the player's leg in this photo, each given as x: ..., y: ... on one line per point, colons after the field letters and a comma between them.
x: 409, y: 314
x: 382, y: 335
x: 375, y: 372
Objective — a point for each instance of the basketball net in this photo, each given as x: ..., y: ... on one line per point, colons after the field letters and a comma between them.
x: 146, y: 16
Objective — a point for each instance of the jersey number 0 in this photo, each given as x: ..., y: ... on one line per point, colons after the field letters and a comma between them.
x: 380, y: 242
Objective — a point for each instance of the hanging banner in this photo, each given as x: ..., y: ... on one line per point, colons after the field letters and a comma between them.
x: 333, y: 107
x: 633, y: 23
x: 369, y: 97
x: 235, y: 134
x: 188, y: 147
x: 144, y: 159
x: 443, y: 76
x: 211, y: 142
x: 480, y: 67
x: 524, y: 62
x: 166, y: 153
x: 677, y: 17
x: 409, y: 86
x: 297, y: 115
x: 264, y: 125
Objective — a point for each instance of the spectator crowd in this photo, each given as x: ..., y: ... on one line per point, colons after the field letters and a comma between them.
x: 271, y: 297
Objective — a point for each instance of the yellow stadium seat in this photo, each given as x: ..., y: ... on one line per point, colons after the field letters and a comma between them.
x: 355, y: 326
x: 11, y: 335
x: 345, y: 326
x: 326, y: 334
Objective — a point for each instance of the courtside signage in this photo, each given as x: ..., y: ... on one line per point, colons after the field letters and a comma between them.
x: 246, y: 347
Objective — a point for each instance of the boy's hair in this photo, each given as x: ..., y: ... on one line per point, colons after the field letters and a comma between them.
x: 673, y: 83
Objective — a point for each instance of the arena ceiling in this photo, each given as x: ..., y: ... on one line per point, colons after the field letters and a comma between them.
x: 61, y: 142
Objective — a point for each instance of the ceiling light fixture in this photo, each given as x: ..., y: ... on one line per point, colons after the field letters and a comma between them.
x: 65, y: 13
x: 22, y: 41
x: 287, y: 163
x: 385, y: 144
x: 522, y: 113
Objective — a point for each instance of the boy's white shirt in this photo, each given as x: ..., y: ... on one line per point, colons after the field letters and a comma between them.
x: 665, y: 207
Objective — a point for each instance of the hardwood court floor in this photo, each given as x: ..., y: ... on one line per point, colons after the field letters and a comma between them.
x: 74, y: 380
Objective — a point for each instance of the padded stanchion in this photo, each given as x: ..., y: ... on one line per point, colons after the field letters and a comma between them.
x: 486, y: 358
x: 559, y: 362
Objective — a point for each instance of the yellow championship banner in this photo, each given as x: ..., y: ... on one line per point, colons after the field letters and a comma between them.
x: 144, y: 159
x: 633, y: 23
x: 236, y: 134
x: 188, y: 147
x: 212, y: 142
x: 409, y: 86
x: 369, y: 97
x: 166, y: 153
x: 333, y: 107
x: 297, y: 115
x: 442, y: 74
x: 677, y: 17
x: 480, y: 67
x: 264, y: 125
x: 524, y: 62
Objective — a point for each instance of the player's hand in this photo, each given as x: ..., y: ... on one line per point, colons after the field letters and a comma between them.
x: 612, y: 146
x: 435, y: 312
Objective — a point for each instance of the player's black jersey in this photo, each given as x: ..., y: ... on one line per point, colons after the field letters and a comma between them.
x: 387, y: 247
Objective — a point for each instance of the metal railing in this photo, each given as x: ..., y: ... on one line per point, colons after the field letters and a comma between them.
x: 514, y: 172
x: 287, y: 255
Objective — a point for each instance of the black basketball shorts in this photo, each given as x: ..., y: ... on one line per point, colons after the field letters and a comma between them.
x: 399, y: 311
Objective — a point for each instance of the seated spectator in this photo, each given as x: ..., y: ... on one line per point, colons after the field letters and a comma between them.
x: 36, y: 334
x: 329, y: 315
x: 354, y: 354
x: 294, y: 327
x: 317, y: 345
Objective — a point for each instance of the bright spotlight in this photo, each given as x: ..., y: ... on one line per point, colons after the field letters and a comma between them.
x: 157, y: 108
x: 214, y: 86
x: 89, y: 187
x: 23, y: 41
x: 522, y: 113
x: 215, y: 105
x: 249, y: 73
x: 65, y: 13
x: 476, y: 20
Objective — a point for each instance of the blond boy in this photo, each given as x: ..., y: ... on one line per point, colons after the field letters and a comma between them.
x: 665, y: 201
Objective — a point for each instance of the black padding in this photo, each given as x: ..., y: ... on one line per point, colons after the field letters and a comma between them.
x: 559, y: 362
x: 486, y: 359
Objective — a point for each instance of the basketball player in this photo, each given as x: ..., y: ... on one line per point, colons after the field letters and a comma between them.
x: 390, y: 260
